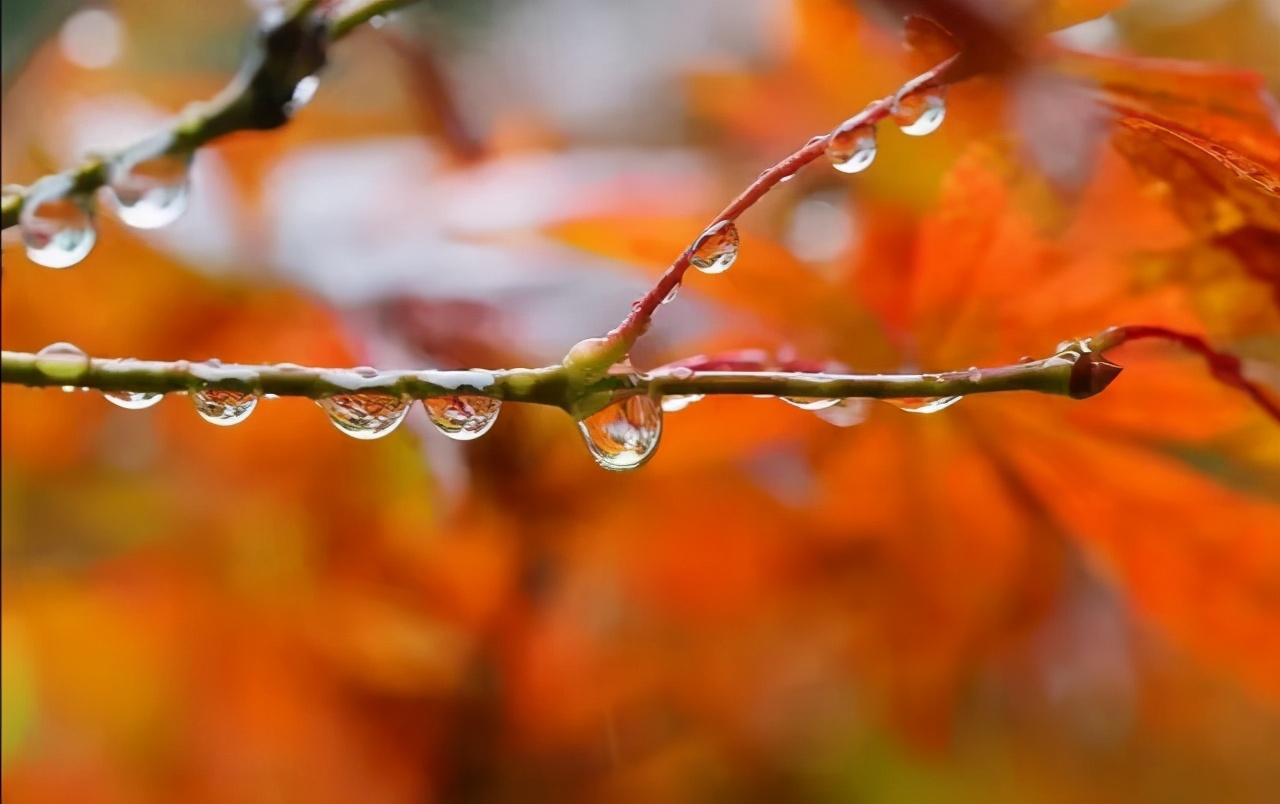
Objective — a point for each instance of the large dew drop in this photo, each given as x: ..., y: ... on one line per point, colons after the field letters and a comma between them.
x: 365, y: 416
x: 924, y: 404
x: 151, y: 193
x: 715, y: 249
x: 921, y: 112
x: 57, y: 232
x: 132, y: 400
x: 625, y: 434
x: 224, y: 408
x: 853, y: 149
x: 462, y: 417
x: 62, y: 361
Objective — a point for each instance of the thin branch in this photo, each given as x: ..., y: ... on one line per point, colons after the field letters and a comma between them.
x: 283, y: 52
x: 614, y: 346
x: 1069, y: 373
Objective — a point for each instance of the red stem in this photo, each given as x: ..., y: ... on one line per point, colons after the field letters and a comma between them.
x: 634, y: 325
x: 1225, y: 368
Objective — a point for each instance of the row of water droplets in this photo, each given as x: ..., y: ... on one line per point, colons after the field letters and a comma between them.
x: 365, y: 416
x: 58, y: 224
x: 851, y: 148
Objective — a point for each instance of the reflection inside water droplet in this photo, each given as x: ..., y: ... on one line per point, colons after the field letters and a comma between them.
x: 57, y: 232
x: 921, y: 112
x: 303, y: 92
x: 625, y: 434
x: 132, y: 400
x: 223, y: 408
x: 671, y: 404
x: 62, y: 361
x: 715, y: 249
x: 365, y: 416
x: 462, y: 417
x: 846, y: 413
x: 853, y: 149
x: 151, y: 193
x: 924, y: 404
x: 809, y: 402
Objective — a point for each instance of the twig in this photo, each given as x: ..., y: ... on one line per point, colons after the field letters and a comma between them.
x: 615, y: 345
x: 284, y: 52
x: 1069, y: 373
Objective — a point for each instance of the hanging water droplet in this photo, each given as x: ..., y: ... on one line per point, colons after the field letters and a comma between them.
x: 365, y: 416
x: 625, y: 434
x: 303, y: 92
x: 845, y: 413
x: 810, y: 402
x: 57, y: 232
x: 151, y: 193
x: 670, y: 297
x: 924, y: 404
x: 224, y: 408
x: 853, y: 149
x: 62, y: 361
x: 462, y: 417
x: 132, y: 400
x: 671, y: 404
x: 715, y: 249
x: 921, y: 112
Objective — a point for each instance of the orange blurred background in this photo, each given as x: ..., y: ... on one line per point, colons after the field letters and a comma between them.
x: 1020, y: 599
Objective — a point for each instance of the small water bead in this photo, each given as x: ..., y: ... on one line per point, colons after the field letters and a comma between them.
x: 672, y: 404
x: 623, y: 435
x: 810, y: 402
x: 303, y: 92
x: 670, y: 297
x: 57, y: 232
x: 151, y: 193
x: 924, y: 404
x: 462, y: 417
x: 845, y: 413
x: 62, y: 361
x: 365, y: 416
x: 224, y: 408
x: 921, y: 112
x: 132, y: 400
x: 852, y: 150
x: 716, y: 249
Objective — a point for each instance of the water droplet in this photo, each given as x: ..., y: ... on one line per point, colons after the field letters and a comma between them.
x: 716, y: 249
x: 924, y: 404
x: 852, y: 150
x: 151, y: 193
x: 671, y: 404
x: 670, y: 297
x: 57, y: 232
x: 846, y: 413
x: 625, y: 434
x: 224, y: 408
x: 810, y: 402
x: 462, y: 417
x: 365, y: 416
x: 132, y: 400
x: 62, y: 361
x: 921, y: 112
x: 303, y: 92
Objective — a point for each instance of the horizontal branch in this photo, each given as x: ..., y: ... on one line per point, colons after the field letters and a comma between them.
x: 1064, y: 374
x: 283, y: 53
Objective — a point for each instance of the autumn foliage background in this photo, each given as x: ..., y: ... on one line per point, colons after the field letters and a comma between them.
x: 1020, y: 599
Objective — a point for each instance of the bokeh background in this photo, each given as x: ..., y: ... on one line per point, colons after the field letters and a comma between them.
x: 1021, y: 599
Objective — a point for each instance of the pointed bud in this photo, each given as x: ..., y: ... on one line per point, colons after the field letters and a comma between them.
x: 1091, y: 375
